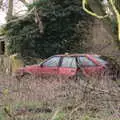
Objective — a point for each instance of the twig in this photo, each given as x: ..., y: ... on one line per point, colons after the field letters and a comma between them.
x: 9, y: 114
x: 75, y: 109
x: 97, y: 89
x: 55, y: 114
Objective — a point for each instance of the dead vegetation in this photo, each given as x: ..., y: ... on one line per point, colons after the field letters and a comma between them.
x: 50, y: 99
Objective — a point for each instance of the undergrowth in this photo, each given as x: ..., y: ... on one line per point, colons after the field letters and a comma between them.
x: 50, y: 99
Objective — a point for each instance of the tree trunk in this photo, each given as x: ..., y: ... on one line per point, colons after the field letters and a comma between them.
x: 10, y: 10
x: 96, y: 7
x: 1, y: 2
x: 104, y: 39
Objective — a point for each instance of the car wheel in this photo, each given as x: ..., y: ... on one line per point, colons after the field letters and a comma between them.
x: 26, y: 76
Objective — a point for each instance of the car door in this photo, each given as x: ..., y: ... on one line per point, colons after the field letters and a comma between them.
x: 89, y: 66
x: 68, y: 66
x: 50, y: 66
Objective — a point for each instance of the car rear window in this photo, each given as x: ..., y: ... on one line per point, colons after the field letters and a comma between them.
x: 97, y: 58
x: 84, y: 61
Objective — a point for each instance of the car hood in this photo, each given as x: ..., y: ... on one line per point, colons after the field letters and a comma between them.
x: 27, y: 68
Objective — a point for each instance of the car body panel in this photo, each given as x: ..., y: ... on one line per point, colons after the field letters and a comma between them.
x: 67, y: 71
x: 58, y: 69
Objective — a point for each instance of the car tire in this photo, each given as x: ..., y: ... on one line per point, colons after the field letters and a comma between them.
x: 26, y: 76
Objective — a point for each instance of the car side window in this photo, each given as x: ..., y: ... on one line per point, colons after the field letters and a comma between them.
x: 69, y: 62
x: 84, y: 61
x: 52, y: 62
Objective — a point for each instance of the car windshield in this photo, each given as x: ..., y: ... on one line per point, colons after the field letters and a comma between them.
x: 100, y: 60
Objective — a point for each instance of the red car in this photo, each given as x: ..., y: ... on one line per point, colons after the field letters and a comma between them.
x: 69, y: 65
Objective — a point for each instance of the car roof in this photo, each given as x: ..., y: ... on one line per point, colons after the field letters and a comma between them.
x: 76, y: 55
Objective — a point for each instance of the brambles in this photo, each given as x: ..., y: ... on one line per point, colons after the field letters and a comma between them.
x: 42, y: 99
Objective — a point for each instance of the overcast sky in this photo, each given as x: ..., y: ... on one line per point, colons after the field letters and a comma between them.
x: 18, y: 6
x: 2, y: 18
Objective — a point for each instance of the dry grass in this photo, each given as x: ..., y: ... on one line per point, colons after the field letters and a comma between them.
x: 50, y: 99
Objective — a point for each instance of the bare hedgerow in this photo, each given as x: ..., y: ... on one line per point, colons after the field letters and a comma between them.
x: 99, y: 99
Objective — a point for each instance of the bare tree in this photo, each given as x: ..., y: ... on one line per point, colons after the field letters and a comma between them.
x: 24, y: 2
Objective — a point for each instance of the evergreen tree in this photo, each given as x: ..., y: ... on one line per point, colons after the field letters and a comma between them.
x: 65, y: 27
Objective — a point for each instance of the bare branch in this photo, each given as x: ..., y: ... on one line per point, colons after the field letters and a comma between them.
x: 38, y: 20
x: 24, y: 2
x: 22, y: 17
x: 55, y: 114
x: 117, y: 16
